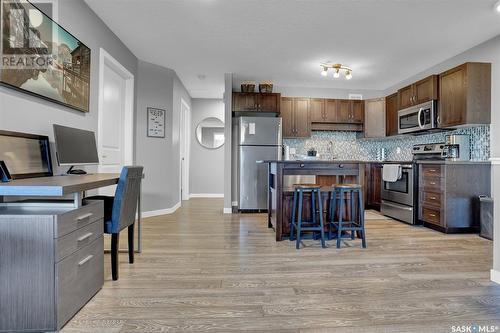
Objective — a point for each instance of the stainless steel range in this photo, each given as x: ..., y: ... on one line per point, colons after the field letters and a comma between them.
x: 398, y: 196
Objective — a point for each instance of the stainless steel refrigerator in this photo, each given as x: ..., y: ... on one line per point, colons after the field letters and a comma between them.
x: 259, y: 139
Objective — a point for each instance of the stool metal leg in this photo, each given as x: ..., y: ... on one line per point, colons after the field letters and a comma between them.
x: 320, y: 208
x: 299, y: 222
x: 341, y: 215
x: 351, y: 212
x: 333, y: 209
x: 362, y: 220
x: 294, y: 211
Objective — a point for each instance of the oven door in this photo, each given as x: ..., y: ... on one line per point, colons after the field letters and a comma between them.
x: 400, y: 191
x: 417, y: 118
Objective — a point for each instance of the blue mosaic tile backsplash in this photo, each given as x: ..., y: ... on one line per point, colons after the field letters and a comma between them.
x: 346, y: 145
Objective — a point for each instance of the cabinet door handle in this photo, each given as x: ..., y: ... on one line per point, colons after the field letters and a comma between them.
x: 84, y: 217
x: 81, y: 263
x: 432, y: 183
x: 84, y: 237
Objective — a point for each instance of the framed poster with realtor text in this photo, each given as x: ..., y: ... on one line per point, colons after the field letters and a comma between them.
x: 156, y: 123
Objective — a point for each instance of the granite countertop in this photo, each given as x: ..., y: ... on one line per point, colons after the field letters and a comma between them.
x: 332, y: 162
x: 452, y: 162
x: 367, y: 162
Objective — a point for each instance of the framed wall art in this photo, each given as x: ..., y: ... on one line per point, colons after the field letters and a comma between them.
x: 156, y: 123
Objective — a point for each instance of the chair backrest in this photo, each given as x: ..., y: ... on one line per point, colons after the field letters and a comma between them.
x: 126, y: 196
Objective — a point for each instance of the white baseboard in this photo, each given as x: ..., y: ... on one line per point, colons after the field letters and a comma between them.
x: 228, y: 210
x: 206, y: 195
x: 166, y: 211
x: 495, y: 276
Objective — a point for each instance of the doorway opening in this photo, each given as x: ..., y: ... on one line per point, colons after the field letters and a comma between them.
x: 184, y: 142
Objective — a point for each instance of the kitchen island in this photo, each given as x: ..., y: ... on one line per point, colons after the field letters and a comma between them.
x: 327, y: 173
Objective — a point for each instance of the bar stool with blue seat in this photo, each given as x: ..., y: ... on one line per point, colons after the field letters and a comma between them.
x: 120, y: 211
x: 315, y: 224
x: 355, y: 218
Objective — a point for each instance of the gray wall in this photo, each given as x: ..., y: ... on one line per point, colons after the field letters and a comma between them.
x: 159, y: 87
x: 206, y: 175
x: 229, y: 190
x: 25, y: 113
x: 488, y: 51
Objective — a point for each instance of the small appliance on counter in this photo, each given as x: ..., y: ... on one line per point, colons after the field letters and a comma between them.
x: 312, y: 152
x: 457, y: 147
x: 286, y: 153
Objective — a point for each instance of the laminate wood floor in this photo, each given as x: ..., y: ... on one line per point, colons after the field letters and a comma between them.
x: 202, y: 271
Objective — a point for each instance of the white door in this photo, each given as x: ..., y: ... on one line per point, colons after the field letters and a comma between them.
x: 185, y: 126
x: 115, y: 136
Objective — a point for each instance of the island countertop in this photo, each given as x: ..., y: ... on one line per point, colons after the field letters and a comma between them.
x: 332, y: 162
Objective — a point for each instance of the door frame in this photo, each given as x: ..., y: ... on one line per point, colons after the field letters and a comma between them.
x: 184, y: 148
x: 105, y: 59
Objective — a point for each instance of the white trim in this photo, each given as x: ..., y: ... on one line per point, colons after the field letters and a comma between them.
x: 128, y: 122
x: 166, y: 211
x: 206, y: 195
x: 495, y: 160
x: 185, y: 143
x: 495, y: 276
x: 228, y: 211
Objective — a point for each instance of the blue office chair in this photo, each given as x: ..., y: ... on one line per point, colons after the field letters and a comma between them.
x: 120, y: 211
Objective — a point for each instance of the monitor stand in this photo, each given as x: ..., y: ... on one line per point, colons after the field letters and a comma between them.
x: 72, y: 171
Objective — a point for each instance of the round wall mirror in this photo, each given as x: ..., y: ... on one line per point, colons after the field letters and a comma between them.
x: 210, y: 133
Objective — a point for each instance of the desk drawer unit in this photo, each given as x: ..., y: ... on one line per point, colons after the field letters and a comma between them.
x: 78, y: 277
x: 78, y: 218
x: 78, y: 239
x: 57, y: 265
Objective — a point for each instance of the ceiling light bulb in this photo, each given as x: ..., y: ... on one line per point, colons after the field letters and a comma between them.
x: 336, y: 74
x: 497, y: 6
x: 324, y: 72
x: 348, y: 75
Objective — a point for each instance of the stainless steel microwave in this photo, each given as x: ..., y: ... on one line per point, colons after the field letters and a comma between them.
x: 418, y: 118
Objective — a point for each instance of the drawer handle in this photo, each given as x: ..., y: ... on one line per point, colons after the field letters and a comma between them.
x: 81, y: 263
x: 84, y: 237
x: 432, y: 198
x: 433, y: 183
x: 84, y: 217
x: 432, y: 170
x: 433, y: 215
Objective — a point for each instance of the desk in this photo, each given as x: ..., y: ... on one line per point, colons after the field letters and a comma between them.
x: 52, y: 250
x: 60, y: 186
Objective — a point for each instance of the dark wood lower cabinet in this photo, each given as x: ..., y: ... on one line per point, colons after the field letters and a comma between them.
x: 373, y: 185
x: 448, y: 195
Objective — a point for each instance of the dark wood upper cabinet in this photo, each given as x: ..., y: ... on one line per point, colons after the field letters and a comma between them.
x: 465, y: 95
x: 374, y: 122
x: 343, y: 111
x: 405, y: 97
x: 288, y: 126
x: 244, y: 102
x: 357, y: 111
x: 391, y: 114
x: 302, y: 117
x: 296, y: 117
x: 419, y: 92
x: 331, y: 108
x: 318, y: 113
x: 426, y: 89
x: 263, y: 102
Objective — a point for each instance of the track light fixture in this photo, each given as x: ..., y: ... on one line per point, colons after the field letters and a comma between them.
x: 336, y: 70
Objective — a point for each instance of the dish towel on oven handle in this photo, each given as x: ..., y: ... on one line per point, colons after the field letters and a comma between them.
x: 392, y: 172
